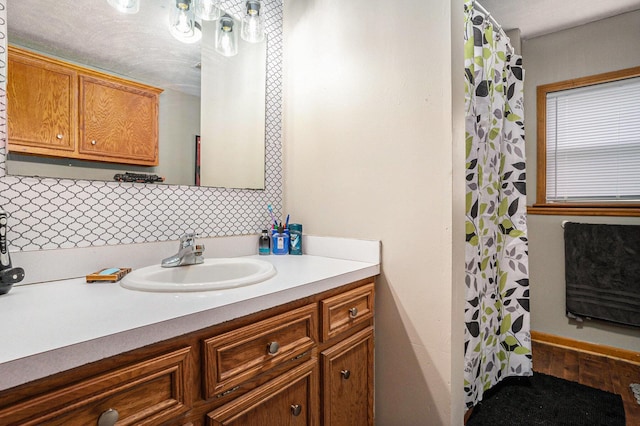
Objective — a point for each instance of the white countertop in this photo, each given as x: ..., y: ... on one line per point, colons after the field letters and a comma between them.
x: 54, y: 326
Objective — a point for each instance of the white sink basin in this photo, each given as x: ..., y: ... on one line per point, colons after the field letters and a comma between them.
x: 213, y: 274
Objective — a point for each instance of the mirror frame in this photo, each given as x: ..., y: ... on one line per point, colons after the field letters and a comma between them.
x: 232, y: 135
x: 52, y: 213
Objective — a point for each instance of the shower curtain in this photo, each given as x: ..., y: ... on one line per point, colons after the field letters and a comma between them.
x: 497, y: 333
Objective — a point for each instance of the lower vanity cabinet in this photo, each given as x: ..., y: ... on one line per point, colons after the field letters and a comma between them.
x: 347, y: 375
x: 307, y: 362
x: 347, y: 362
x: 289, y: 400
x: 149, y: 392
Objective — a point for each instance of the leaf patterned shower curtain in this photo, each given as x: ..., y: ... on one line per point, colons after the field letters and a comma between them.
x: 497, y: 333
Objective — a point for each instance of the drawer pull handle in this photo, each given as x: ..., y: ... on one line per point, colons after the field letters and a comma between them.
x: 345, y: 374
x: 59, y: 136
x: 302, y: 355
x: 93, y: 142
x: 273, y: 348
x: 108, y: 418
x: 227, y: 392
x: 296, y: 409
x: 353, y: 312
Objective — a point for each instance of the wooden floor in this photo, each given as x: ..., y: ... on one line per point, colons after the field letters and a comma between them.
x: 609, y: 373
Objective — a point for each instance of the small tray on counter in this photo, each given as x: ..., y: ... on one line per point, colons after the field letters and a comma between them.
x: 105, y: 275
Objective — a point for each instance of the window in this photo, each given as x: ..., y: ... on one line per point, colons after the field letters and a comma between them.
x: 589, y: 145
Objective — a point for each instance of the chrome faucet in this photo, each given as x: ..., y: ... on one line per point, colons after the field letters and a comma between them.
x: 189, y: 253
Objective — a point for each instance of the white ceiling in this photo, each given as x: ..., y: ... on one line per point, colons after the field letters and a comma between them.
x: 140, y: 46
x: 538, y: 17
x: 93, y: 33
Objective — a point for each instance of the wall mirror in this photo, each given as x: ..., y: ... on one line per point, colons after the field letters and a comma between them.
x: 220, y: 99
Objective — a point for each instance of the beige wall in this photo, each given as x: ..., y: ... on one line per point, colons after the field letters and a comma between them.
x: 368, y: 154
x: 179, y: 125
x: 606, y: 45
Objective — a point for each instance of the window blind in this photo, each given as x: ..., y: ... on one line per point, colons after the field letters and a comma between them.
x: 593, y: 143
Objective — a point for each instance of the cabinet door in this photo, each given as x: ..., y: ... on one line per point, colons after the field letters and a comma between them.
x: 289, y: 400
x: 41, y: 106
x: 347, y: 372
x: 118, y: 122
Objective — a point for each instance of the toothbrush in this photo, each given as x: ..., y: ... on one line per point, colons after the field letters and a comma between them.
x: 286, y: 223
x: 272, y: 216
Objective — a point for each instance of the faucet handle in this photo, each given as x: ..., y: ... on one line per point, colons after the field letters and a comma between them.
x: 188, y: 239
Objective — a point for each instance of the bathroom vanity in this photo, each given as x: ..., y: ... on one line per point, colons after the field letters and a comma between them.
x: 296, y: 349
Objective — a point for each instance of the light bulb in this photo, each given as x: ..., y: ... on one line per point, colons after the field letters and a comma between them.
x: 125, y: 6
x: 208, y: 10
x: 253, y: 22
x: 182, y: 24
x: 226, y: 45
x: 226, y: 38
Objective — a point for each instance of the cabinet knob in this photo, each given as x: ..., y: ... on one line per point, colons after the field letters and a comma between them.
x: 273, y: 348
x: 93, y: 142
x: 296, y: 409
x: 59, y: 136
x: 353, y: 312
x: 345, y: 374
x: 108, y: 418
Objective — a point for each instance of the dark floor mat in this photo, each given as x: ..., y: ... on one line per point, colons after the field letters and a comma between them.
x: 547, y: 400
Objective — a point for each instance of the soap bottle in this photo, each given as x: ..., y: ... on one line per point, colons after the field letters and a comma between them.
x: 264, y: 245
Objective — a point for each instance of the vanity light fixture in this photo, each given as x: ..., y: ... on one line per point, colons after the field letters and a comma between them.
x: 182, y: 22
x: 253, y: 21
x: 226, y: 36
x: 208, y: 10
x: 125, y: 6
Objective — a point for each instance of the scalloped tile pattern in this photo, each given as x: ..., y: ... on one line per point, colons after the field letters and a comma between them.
x: 48, y: 213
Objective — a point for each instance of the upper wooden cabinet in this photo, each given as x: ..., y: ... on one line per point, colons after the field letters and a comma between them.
x: 118, y: 121
x: 62, y: 110
x: 42, y: 105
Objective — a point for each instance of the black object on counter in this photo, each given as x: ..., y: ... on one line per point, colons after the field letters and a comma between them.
x: 8, y: 274
x: 137, y: 177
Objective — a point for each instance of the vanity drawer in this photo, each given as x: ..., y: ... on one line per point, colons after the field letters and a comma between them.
x: 237, y: 356
x: 146, y: 393
x: 346, y: 310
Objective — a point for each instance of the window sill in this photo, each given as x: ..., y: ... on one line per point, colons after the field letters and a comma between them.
x: 631, y: 210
